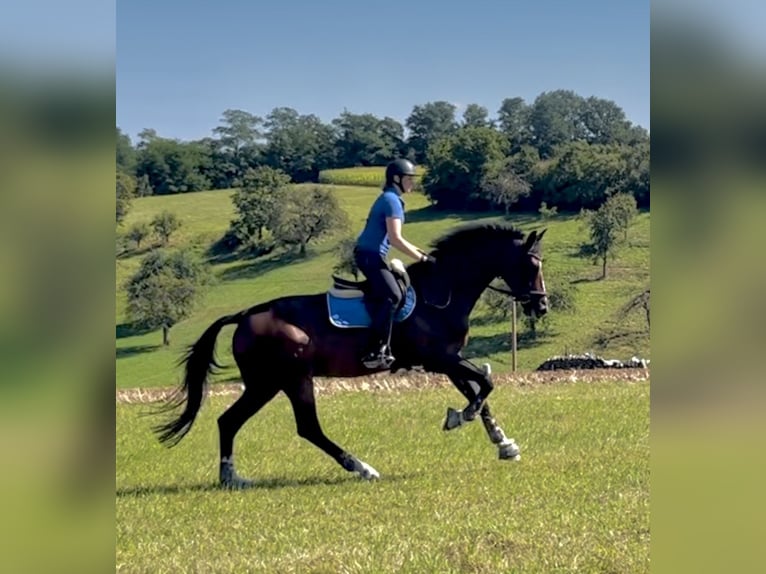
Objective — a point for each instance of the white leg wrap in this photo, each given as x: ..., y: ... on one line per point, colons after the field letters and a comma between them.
x: 364, y: 470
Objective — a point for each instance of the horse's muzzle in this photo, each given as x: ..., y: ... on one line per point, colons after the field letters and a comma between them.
x: 536, y: 306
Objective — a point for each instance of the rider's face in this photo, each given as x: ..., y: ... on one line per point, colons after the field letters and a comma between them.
x: 406, y: 183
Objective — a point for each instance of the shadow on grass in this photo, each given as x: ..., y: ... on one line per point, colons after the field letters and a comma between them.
x: 583, y: 251
x: 488, y: 319
x: 123, y: 352
x: 129, y: 252
x: 587, y: 280
x: 272, y: 483
x: 482, y: 346
x: 130, y: 330
x: 225, y: 250
x: 252, y: 269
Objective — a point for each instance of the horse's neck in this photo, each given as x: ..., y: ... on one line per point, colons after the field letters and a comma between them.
x: 468, y: 282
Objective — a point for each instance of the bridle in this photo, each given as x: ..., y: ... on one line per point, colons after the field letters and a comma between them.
x: 529, y: 294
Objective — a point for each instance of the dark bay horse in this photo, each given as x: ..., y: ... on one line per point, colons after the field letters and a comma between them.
x: 280, y: 345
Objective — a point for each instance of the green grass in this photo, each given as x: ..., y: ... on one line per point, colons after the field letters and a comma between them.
x: 577, y: 501
x: 205, y: 216
x: 373, y: 176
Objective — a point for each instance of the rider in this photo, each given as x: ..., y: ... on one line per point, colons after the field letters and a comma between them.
x: 382, y: 230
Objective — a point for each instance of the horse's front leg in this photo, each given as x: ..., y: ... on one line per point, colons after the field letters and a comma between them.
x: 463, y: 373
x: 507, y: 447
x: 469, y: 372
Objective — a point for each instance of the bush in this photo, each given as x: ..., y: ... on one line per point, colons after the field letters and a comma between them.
x: 562, y: 298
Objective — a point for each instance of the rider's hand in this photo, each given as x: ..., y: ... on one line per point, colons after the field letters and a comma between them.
x: 426, y: 258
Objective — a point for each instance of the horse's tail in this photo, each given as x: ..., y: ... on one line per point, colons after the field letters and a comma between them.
x: 200, y: 362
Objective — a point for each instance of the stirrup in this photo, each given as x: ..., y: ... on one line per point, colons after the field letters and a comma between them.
x: 383, y: 359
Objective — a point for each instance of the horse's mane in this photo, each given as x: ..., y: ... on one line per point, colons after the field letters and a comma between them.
x: 474, y: 236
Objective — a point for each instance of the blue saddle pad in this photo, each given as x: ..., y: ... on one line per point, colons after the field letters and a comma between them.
x: 352, y: 312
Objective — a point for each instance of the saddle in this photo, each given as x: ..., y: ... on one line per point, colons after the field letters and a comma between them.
x: 349, y: 289
x: 346, y: 305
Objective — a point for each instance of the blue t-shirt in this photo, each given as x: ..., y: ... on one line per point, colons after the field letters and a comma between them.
x: 374, y: 236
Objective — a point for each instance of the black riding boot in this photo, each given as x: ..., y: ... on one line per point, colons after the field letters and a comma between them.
x: 380, y: 356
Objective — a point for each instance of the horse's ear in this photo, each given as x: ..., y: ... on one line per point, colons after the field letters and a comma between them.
x: 540, y: 235
x: 531, y: 240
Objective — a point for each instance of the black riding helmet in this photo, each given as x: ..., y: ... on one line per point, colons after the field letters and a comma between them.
x: 398, y: 167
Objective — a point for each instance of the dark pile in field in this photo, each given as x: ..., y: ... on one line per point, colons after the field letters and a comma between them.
x: 589, y: 361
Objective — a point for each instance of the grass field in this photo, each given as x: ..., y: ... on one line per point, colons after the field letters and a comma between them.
x: 577, y: 501
x: 366, y: 176
x: 143, y: 361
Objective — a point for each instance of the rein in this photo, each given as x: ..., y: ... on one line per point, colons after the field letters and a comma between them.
x: 449, y: 300
x: 510, y: 293
x: 530, y: 294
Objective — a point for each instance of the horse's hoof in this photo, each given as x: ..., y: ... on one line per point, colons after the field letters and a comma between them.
x: 508, y: 450
x: 237, y: 483
x: 229, y: 479
x: 454, y: 419
x: 366, y: 472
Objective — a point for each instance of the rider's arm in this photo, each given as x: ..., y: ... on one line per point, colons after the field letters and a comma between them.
x: 394, y: 229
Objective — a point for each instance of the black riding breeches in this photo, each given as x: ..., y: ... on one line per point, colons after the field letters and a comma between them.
x: 384, y: 295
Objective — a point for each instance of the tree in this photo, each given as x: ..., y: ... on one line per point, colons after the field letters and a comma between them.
x: 126, y: 154
x: 300, y: 146
x: 513, y: 122
x: 238, y: 140
x: 554, y: 119
x: 364, y: 140
x: 126, y: 191
x: 457, y: 163
x: 138, y: 233
x: 604, y: 227
x: 641, y: 300
x: 165, y: 289
x: 257, y: 202
x: 476, y: 116
x: 635, y: 179
x: 165, y: 224
x: 346, y: 262
x: 502, y: 186
x: 624, y: 208
x: 582, y: 175
x: 427, y: 124
x: 239, y: 130
x: 308, y: 215
x: 143, y: 187
x: 605, y: 122
x: 172, y: 166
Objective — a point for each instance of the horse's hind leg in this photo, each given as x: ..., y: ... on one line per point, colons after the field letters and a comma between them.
x: 252, y: 400
x: 301, y: 395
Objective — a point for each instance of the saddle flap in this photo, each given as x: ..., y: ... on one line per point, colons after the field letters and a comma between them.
x: 347, y: 308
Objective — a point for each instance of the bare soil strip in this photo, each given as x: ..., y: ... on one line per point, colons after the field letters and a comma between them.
x: 409, y: 381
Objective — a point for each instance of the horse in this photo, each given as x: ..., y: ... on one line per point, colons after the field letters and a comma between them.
x: 282, y: 344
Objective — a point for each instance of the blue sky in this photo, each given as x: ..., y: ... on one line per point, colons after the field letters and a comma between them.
x: 181, y: 63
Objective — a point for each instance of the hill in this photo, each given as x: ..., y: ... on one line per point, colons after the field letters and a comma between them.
x: 240, y: 283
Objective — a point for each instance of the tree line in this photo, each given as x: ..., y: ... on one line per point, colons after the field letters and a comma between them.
x: 563, y: 152
x: 568, y: 151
